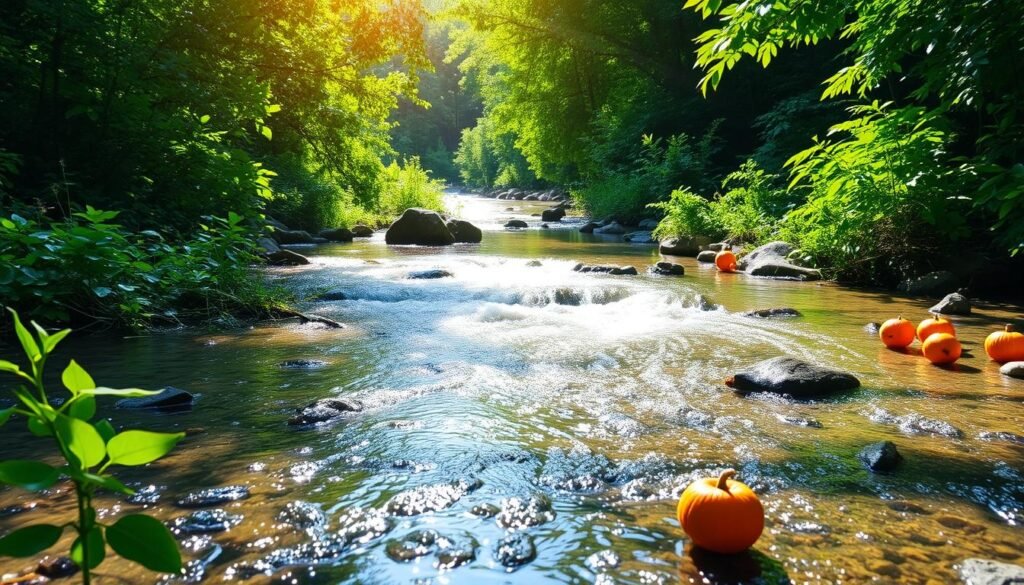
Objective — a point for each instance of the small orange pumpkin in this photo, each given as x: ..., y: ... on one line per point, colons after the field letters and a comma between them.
x: 721, y: 514
x: 897, y: 333
x: 932, y: 325
x: 1005, y: 346
x: 941, y: 348
x: 725, y: 260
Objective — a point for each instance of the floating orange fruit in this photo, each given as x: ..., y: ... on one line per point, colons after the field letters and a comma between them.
x: 897, y: 333
x: 932, y: 325
x: 725, y: 260
x: 721, y: 514
x: 941, y: 348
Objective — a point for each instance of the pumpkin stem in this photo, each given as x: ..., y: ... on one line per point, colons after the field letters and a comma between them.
x: 1009, y: 328
x: 725, y: 477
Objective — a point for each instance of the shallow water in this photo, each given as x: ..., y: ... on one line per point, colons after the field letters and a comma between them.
x: 573, y: 408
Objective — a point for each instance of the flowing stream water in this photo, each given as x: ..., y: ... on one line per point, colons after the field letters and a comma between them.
x: 521, y: 403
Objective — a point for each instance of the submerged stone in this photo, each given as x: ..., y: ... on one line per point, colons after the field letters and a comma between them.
x: 213, y: 496
x: 989, y: 572
x: 797, y: 378
x: 773, y: 312
x: 429, y: 498
x: 204, y: 522
x: 430, y: 274
x: 881, y: 457
x: 324, y: 410
x: 302, y: 364
x: 302, y: 515
x: 515, y: 550
x: 411, y: 546
x: 517, y: 513
x: 170, y: 398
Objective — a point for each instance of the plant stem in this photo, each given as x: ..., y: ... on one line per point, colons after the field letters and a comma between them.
x: 84, y: 528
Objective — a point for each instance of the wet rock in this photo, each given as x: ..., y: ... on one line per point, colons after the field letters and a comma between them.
x: 285, y: 237
x: 932, y: 284
x: 589, y: 227
x: 1012, y: 369
x: 873, y: 327
x: 286, y: 258
x: 324, y: 410
x: 961, y: 524
x: 302, y: 364
x: 909, y: 507
x: 268, y: 245
x: 195, y: 570
x: 204, y: 522
x: 554, y: 214
x: 799, y: 421
x: 302, y: 515
x: 647, y: 224
x: 603, y: 560
x: 485, y: 510
x: 684, y: 246
x: 213, y: 496
x: 699, y: 301
x: 989, y: 572
x: 640, y: 238
x: 170, y: 398
x: 465, y: 232
x: 952, y: 304
x: 668, y: 269
x: 411, y: 546
x: 56, y: 567
x: 707, y: 256
x: 333, y: 295
x: 612, y: 229
x: 578, y: 470
x: 881, y: 457
x: 535, y: 263
x: 510, y: 209
x: 147, y: 495
x: 516, y: 224
x: 916, y: 424
x: 515, y: 550
x: 797, y: 378
x: 884, y: 568
x: 429, y: 274
x: 517, y: 513
x: 615, y: 270
x: 775, y: 312
x: 429, y: 498
x: 544, y: 226
x: 770, y: 260
x: 359, y: 525
x: 337, y: 235
x: 276, y: 224
x: 1002, y: 435
x: 420, y: 227
x: 451, y: 555
x: 362, y: 231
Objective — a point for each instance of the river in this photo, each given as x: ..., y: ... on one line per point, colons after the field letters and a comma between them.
x: 516, y: 398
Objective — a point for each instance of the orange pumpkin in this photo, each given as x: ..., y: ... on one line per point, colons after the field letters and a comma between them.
x: 721, y: 514
x: 1005, y: 346
x: 897, y: 333
x: 932, y: 325
x: 941, y: 348
x: 726, y: 261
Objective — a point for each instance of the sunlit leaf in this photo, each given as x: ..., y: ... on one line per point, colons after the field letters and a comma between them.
x: 83, y: 407
x: 145, y: 541
x: 82, y: 439
x: 76, y: 379
x: 97, y: 548
x: 27, y: 342
x: 140, y: 447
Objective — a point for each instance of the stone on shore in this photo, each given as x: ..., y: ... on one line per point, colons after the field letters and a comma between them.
x: 420, y: 227
x: 952, y: 304
x: 465, y: 232
x: 1012, y: 369
x: 933, y: 284
x: 770, y: 260
x: 684, y: 245
x: 707, y: 256
x: 989, y: 572
x: 794, y: 377
x: 285, y: 237
x: 337, y: 234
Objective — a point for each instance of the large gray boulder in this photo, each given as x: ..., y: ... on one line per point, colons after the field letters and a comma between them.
x: 953, y: 304
x: 707, y: 256
x: 268, y: 245
x: 516, y: 224
x: 988, y: 572
x: 647, y: 224
x: 553, y: 214
x: 613, y: 228
x: 337, y: 234
x: 684, y: 245
x: 640, y: 238
x: 770, y: 260
x: 797, y: 378
x: 933, y: 284
x: 362, y: 231
x: 285, y: 237
x: 419, y: 227
x: 465, y: 232
x: 286, y: 258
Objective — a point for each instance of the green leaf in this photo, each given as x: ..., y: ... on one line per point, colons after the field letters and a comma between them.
x: 108, y: 482
x: 38, y: 427
x: 76, y: 379
x: 145, y: 541
x: 97, y: 548
x: 29, y: 541
x: 29, y: 475
x: 105, y: 429
x: 204, y: 118
x: 9, y: 367
x: 5, y: 414
x: 82, y: 439
x: 83, y: 407
x: 51, y: 342
x: 140, y: 447
x: 27, y: 343
x: 267, y: 132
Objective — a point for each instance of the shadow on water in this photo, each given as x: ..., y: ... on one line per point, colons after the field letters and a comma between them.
x: 751, y: 567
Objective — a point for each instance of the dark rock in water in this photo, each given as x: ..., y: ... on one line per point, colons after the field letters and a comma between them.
x: 616, y: 270
x: 420, y: 227
x: 647, y: 224
x: 333, y: 295
x: 169, y: 398
x: 904, y: 506
x: 516, y: 224
x: 302, y: 515
x: 881, y: 457
x: 639, y: 238
x: 952, y: 304
x: 213, y: 496
x: 276, y: 224
x: 701, y: 302
x: 309, y: 318
x: 429, y: 498
x: 204, y: 522
x: 800, y: 421
x: 268, y: 245
x: 465, y: 232
x: 337, y: 235
x: 771, y: 260
x: 286, y: 258
x: 515, y: 550
x: 589, y: 227
x: 797, y: 378
x: 933, y: 284
x: 324, y: 410
x: 707, y: 256
x: 517, y: 513
x: 534, y: 263
x: 510, y: 209
x: 613, y: 228
x: 684, y: 246
x: 668, y: 269
x: 775, y: 312
x: 302, y: 364
x: 451, y: 555
x: 362, y: 231
x: 988, y: 572
x: 545, y: 226
x: 554, y: 214
x: 430, y: 274
x: 413, y: 545
x: 873, y: 327
x: 1012, y: 369
x: 285, y: 237
x: 485, y: 510
x: 360, y: 525
x: 146, y: 496
x: 55, y: 568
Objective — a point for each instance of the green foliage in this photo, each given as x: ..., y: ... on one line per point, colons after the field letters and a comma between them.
x: 88, y: 450
x: 91, y: 268
x: 488, y: 158
x: 752, y: 204
x: 687, y: 214
x: 409, y: 185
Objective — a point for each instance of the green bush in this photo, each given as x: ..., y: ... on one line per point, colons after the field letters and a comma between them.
x: 687, y: 214
x: 408, y: 185
x: 88, y: 268
x: 752, y: 204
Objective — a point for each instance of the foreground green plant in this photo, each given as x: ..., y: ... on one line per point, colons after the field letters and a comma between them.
x: 88, y: 450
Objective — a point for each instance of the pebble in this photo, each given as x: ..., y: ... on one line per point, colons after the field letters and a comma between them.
x: 515, y: 550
